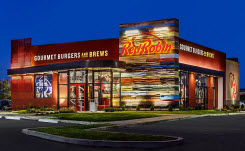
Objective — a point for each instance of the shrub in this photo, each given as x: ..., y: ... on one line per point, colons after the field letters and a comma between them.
x: 224, y: 109
x: 138, y: 108
x: 232, y: 108
x: 24, y: 107
x: 198, y: 107
x: 38, y: 107
x: 227, y: 107
x: 123, y: 107
x: 30, y: 106
x: 180, y: 107
x: 217, y: 109
x: 242, y: 106
x: 67, y: 110
x: 236, y: 106
x: 152, y: 108
x: 30, y: 110
x: 170, y: 108
x: 111, y: 109
x: 45, y: 106
x: 17, y: 107
x: 54, y: 106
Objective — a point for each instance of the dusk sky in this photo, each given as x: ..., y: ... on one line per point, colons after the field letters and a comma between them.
x: 215, y: 24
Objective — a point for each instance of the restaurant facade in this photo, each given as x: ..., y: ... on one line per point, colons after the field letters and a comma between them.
x: 148, y: 65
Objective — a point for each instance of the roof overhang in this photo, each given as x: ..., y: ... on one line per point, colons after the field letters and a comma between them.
x: 69, y: 65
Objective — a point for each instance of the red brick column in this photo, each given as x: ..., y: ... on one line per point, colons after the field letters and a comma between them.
x: 192, y: 86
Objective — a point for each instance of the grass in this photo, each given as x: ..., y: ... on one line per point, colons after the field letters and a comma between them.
x: 20, y: 111
x: 103, y: 117
x: 79, y: 131
x: 194, y: 112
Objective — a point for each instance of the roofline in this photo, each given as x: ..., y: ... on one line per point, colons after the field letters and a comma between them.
x: 203, y: 46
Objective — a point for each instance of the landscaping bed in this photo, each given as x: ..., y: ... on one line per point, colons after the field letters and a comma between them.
x: 103, y: 117
x: 81, y: 133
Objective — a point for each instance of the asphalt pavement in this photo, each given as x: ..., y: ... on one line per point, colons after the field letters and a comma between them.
x: 219, y: 133
x: 12, y: 139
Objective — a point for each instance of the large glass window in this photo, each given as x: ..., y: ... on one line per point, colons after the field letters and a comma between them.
x: 63, y: 89
x: 201, y: 91
x: 43, y: 86
x: 184, y: 89
x: 116, y: 88
x: 77, y: 76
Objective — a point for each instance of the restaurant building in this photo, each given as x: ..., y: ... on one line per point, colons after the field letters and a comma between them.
x: 147, y: 65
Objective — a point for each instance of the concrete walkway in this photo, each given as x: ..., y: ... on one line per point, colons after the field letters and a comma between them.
x: 152, y: 119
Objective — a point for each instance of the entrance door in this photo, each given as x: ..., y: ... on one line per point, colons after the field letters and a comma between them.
x: 77, y: 96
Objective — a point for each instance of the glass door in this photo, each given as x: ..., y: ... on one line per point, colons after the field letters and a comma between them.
x: 77, y: 96
x: 102, y: 88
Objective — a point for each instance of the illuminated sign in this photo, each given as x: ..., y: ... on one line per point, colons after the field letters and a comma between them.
x: 233, y: 86
x: 145, y: 48
x: 75, y: 55
x: 136, y: 45
x: 196, y: 51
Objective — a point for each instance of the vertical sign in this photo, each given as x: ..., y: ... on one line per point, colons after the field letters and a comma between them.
x: 150, y: 50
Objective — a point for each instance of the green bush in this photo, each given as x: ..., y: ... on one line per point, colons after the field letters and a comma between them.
x: 227, y: 107
x: 242, y: 106
x: 67, y: 110
x: 198, y: 107
x: 54, y: 106
x: 138, y: 108
x: 111, y: 109
x: 30, y: 106
x: 236, y: 106
x: 38, y: 107
x: 24, y: 107
x: 180, y: 107
x: 45, y: 106
x: 123, y: 107
x: 170, y: 108
x: 224, y: 109
x: 152, y: 108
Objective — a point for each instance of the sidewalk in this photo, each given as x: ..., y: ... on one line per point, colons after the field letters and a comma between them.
x: 152, y: 119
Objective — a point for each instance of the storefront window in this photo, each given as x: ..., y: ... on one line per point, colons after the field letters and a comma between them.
x: 43, y: 86
x: 77, y: 77
x: 63, y: 78
x: 63, y: 89
x: 184, y: 89
x: 201, y: 91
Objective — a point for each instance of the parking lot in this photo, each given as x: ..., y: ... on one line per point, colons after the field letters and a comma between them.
x: 220, y: 133
x: 202, y: 134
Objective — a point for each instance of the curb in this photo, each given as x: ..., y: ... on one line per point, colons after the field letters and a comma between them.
x: 13, y: 117
x: 203, y: 115
x: 48, y: 120
x: 105, y: 143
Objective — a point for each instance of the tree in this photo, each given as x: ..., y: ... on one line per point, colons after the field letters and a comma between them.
x: 5, y: 92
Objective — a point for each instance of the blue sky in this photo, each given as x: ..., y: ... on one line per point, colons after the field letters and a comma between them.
x: 218, y: 24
